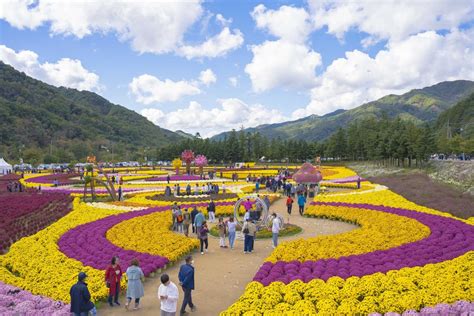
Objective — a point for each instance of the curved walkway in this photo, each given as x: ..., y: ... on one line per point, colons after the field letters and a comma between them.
x: 222, y: 274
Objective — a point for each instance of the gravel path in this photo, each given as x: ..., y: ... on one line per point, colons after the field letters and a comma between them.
x: 222, y: 274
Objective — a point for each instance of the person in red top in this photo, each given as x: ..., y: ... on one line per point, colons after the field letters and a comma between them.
x: 289, y: 204
x: 113, y: 274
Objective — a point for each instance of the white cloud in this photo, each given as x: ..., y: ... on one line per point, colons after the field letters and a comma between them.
x: 149, y: 89
x: 282, y: 64
x: 389, y: 19
x: 223, y: 21
x: 288, y: 23
x: 231, y: 113
x: 233, y: 81
x: 65, y: 72
x: 418, y: 61
x: 150, y: 26
x: 216, y: 46
x: 207, y: 77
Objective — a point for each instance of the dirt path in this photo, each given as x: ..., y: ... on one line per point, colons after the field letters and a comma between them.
x: 222, y: 274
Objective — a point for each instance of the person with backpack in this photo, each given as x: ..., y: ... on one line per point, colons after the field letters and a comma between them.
x: 301, y: 203
x: 198, y: 221
x: 179, y: 220
x: 249, y: 230
x: 289, y: 204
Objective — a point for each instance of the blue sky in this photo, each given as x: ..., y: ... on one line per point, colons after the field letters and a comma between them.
x: 263, y: 61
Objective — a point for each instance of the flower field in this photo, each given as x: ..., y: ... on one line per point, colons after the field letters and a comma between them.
x: 404, y: 259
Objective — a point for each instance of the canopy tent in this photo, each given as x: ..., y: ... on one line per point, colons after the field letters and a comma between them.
x: 5, y: 167
x: 308, y: 174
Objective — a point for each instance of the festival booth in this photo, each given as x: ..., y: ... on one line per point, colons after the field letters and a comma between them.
x: 5, y: 167
x: 308, y: 175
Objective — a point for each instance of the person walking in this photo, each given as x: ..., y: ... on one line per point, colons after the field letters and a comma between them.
x: 289, y: 204
x: 179, y: 220
x: 203, y: 237
x: 135, y: 279
x: 231, y: 227
x: 174, y: 209
x: 168, y: 294
x: 186, y: 280
x: 81, y: 304
x: 211, y: 211
x: 267, y: 202
x: 222, y: 231
x: 194, y: 212
x: 120, y: 193
x: 276, y: 226
x: 301, y: 203
x: 198, y: 220
x: 113, y: 275
x: 186, y: 222
x: 249, y: 229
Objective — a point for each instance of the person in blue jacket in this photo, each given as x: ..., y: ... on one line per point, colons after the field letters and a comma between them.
x: 81, y: 303
x: 186, y: 280
x: 301, y: 203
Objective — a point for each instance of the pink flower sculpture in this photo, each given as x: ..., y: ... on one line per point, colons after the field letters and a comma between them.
x: 187, y: 156
x: 200, y: 161
x: 307, y: 174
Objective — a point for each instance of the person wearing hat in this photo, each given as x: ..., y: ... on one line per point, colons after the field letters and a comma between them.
x: 186, y: 280
x: 81, y: 304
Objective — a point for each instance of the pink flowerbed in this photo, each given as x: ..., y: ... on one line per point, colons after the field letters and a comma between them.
x: 16, y: 302
x: 62, y: 178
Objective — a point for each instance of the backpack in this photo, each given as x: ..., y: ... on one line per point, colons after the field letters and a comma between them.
x: 179, y: 218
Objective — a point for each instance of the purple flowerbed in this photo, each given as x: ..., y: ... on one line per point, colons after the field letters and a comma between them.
x: 16, y: 302
x: 462, y: 308
x: 183, y: 177
x: 62, y: 178
x: 450, y: 238
x: 88, y: 243
x: 24, y: 214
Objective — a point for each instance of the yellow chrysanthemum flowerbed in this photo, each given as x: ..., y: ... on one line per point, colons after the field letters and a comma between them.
x: 396, y: 291
x: 151, y: 234
x: 35, y: 263
x: 381, y: 197
x: 378, y: 231
x: 331, y: 173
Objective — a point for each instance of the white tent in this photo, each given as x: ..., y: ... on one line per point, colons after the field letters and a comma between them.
x: 5, y: 167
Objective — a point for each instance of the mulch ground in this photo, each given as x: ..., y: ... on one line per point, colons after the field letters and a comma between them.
x: 422, y: 190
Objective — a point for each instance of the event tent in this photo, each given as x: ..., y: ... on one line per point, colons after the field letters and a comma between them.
x: 5, y: 167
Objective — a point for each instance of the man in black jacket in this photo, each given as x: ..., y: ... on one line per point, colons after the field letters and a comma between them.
x: 81, y: 303
x: 194, y: 212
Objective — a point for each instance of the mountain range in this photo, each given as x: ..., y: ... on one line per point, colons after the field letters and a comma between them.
x: 67, y: 122
x: 419, y: 105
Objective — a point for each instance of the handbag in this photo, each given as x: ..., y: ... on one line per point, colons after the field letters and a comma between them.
x: 107, y: 284
x: 246, y: 230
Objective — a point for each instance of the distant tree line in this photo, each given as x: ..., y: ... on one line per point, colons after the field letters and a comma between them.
x: 387, y: 141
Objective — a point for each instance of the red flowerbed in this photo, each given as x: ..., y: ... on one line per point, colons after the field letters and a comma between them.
x: 23, y: 214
